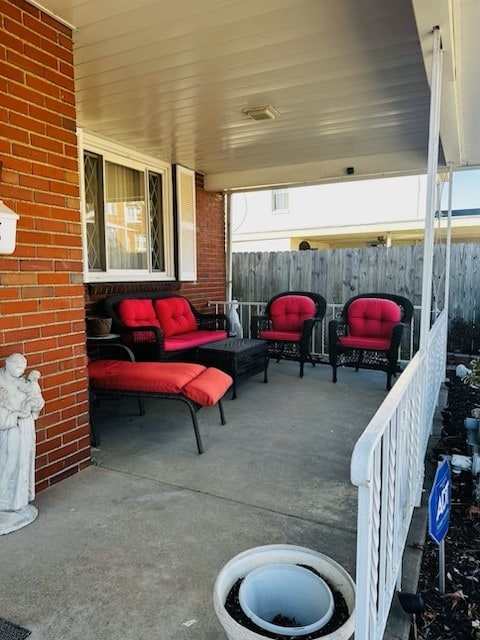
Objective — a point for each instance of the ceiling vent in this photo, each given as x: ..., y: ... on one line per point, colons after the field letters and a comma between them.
x: 261, y: 113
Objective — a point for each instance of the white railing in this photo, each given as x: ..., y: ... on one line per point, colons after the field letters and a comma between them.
x: 387, y: 467
x: 246, y: 310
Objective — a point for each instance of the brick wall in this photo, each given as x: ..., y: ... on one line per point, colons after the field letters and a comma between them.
x: 42, y: 303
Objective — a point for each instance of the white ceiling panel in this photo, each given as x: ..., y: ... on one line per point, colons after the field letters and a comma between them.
x: 349, y: 79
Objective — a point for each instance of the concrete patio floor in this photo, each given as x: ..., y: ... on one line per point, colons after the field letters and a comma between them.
x: 130, y: 547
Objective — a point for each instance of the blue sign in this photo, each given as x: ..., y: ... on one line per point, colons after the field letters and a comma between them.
x: 439, y: 503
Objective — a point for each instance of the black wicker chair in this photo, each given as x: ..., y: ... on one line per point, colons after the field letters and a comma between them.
x: 369, y: 334
x: 288, y: 325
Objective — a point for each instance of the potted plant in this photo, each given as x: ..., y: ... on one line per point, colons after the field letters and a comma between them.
x: 239, y: 625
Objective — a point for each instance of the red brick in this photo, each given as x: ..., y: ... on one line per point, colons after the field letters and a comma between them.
x: 50, y: 198
x: 44, y: 115
x: 18, y: 278
x: 11, y: 10
x: 15, y: 133
x: 26, y: 63
x: 63, y: 452
x: 29, y: 152
x: 52, y: 278
x: 12, y: 73
x: 36, y: 265
x: 18, y: 307
x: 38, y: 26
x: 25, y: 34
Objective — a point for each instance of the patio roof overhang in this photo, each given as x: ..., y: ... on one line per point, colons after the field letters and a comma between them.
x: 349, y: 79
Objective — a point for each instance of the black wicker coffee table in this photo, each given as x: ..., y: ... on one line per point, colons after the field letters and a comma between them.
x: 239, y: 357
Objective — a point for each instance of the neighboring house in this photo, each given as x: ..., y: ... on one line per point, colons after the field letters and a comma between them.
x: 366, y: 213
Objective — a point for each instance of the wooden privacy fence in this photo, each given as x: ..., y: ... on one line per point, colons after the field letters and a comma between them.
x: 339, y: 274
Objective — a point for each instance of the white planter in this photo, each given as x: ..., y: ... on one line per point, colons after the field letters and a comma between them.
x: 241, y: 565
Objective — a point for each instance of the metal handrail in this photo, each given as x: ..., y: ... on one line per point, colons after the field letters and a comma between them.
x: 387, y: 466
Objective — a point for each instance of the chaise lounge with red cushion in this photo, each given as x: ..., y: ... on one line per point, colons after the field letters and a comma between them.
x: 162, y: 325
x: 193, y: 384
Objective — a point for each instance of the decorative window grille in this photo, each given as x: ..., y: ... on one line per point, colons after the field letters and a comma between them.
x: 128, y: 217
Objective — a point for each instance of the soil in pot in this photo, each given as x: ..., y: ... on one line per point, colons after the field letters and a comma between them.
x: 339, y: 617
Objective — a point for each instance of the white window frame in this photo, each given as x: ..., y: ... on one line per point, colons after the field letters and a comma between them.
x: 118, y: 154
x: 282, y: 192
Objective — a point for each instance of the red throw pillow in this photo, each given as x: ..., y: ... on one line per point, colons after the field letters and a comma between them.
x: 175, y: 316
x: 137, y: 312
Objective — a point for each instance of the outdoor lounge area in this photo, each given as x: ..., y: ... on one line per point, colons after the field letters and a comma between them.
x: 129, y: 130
x: 131, y: 546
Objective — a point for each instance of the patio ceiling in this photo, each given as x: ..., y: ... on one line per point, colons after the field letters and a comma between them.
x: 349, y: 79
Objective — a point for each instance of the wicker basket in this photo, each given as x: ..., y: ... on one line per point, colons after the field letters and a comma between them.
x: 99, y: 326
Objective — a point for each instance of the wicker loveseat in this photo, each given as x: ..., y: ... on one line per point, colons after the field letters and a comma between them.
x: 163, y: 326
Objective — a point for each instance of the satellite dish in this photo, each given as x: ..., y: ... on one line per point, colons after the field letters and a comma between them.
x: 304, y: 245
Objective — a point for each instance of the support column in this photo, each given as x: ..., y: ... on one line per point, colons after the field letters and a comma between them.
x: 433, y: 146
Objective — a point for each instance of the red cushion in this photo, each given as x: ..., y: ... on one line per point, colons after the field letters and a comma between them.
x: 373, y: 318
x: 175, y: 316
x: 203, y: 385
x: 159, y: 377
x: 288, y: 312
x: 137, y: 312
x: 207, y: 388
x: 285, y: 336
x: 359, y: 342
x: 193, y: 339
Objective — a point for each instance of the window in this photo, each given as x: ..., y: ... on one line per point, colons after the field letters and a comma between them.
x: 280, y: 201
x: 128, y: 221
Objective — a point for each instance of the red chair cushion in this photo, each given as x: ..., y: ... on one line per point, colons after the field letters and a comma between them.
x: 136, y: 312
x: 175, y: 316
x: 372, y: 344
x: 373, y: 318
x: 289, y: 312
x: 193, y: 339
x: 207, y: 388
x: 282, y: 336
x: 151, y: 377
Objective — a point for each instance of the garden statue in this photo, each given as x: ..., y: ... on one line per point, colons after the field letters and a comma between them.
x: 20, y: 404
x: 235, y: 325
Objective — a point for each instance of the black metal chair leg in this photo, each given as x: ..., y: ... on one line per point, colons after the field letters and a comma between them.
x: 222, y: 415
x: 334, y: 373
x: 360, y: 360
x: 196, y: 429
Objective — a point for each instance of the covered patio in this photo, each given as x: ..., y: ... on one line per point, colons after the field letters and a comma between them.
x: 155, y: 90
x: 131, y: 546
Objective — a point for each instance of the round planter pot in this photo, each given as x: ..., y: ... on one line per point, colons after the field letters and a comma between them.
x: 242, y: 565
x: 294, y: 592
x: 97, y: 327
